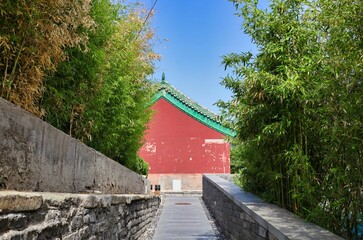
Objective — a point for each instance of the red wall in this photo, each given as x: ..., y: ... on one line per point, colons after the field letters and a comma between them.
x: 177, y: 143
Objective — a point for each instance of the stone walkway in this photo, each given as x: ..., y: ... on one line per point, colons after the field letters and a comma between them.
x: 184, y: 218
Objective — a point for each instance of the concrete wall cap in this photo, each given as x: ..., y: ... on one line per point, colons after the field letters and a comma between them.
x: 14, y: 201
x: 19, y: 202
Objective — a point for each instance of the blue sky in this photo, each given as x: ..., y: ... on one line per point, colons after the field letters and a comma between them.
x: 193, y: 35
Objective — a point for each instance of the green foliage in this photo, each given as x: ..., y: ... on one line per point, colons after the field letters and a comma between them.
x: 103, y: 98
x: 235, y: 156
x: 33, y: 37
x: 297, y: 107
x: 77, y: 81
x: 118, y: 130
x: 139, y: 166
x: 82, y: 66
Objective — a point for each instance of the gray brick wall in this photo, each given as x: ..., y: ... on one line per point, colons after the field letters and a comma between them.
x: 242, y: 215
x: 233, y: 221
x: 75, y: 216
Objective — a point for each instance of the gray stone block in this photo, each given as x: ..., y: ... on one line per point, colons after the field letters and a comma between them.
x: 13, y: 202
x: 63, y: 216
x: 262, y: 232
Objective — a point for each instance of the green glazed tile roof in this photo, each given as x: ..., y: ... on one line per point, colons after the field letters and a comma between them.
x: 190, y: 107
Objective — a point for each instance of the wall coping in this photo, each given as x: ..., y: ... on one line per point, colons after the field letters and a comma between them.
x: 280, y: 222
x: 14, y: 201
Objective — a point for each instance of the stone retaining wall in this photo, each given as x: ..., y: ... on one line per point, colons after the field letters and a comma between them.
x: 34, y: 156
x: 75, y: 216
x: 242, y: 215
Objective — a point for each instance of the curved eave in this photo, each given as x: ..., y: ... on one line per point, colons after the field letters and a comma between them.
x: 194, y: 114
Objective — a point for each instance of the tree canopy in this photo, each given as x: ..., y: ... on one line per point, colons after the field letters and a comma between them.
x: 82, y: 66
x: 297, y: 108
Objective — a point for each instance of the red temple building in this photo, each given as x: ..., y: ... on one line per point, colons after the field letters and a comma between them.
x: 184, y: 141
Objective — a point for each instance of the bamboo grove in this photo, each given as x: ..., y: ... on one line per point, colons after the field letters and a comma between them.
x: 298, y: 108
x: 81, y: 65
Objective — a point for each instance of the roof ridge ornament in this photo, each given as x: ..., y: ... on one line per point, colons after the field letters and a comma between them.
x: 163, y: 78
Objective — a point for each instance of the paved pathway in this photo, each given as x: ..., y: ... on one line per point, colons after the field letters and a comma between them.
x: 183, y: 218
